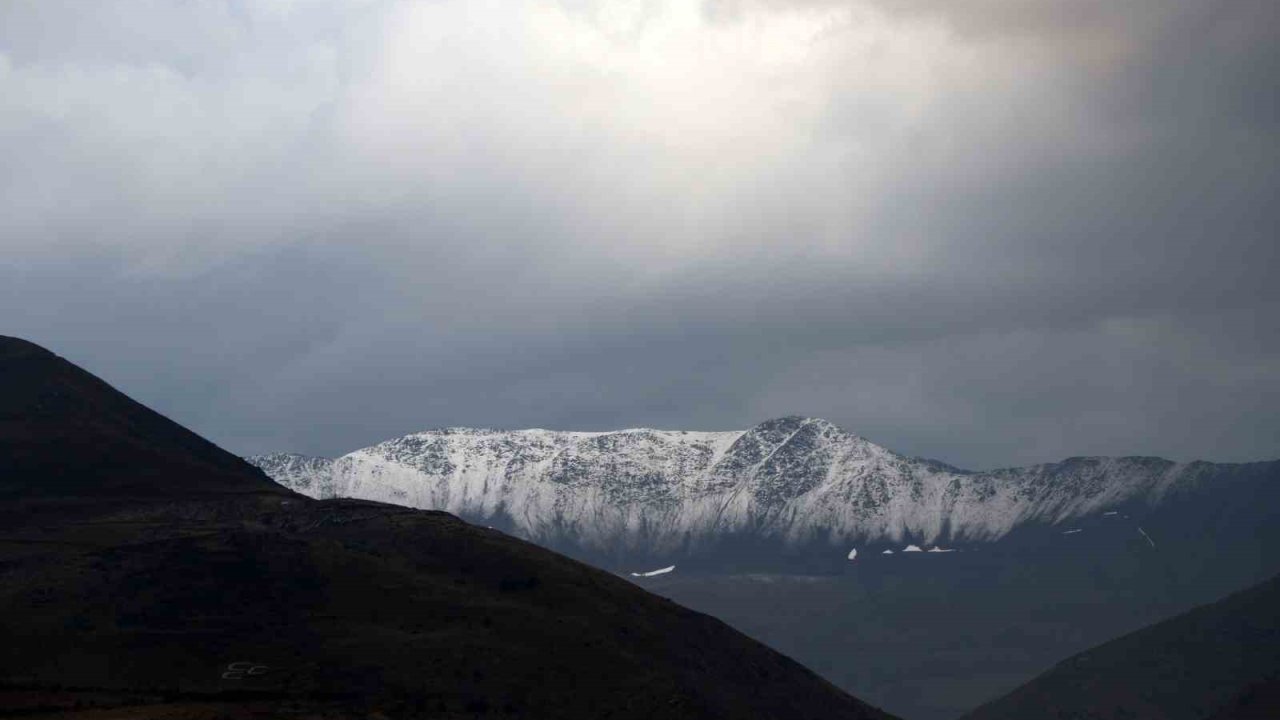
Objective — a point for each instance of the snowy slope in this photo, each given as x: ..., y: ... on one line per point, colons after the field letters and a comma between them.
x: 308, y: 475
x: 792, y: 479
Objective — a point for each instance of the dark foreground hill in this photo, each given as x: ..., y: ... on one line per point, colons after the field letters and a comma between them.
x: 146, y: 573
x: 1260, y: 701
x: 1217, y: 661
x: 65, y: 432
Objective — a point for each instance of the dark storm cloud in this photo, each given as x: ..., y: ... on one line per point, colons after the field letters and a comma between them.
x: 991, y: 232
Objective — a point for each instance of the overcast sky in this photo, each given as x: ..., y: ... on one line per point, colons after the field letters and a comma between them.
x: 993, y: 232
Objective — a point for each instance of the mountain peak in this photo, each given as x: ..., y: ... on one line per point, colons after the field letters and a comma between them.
x: 64, y: 431
x: 13, y: 348
x: 790, y: 423
x: 793, y: 423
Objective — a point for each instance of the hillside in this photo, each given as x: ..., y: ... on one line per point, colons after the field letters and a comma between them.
x: 65, y: 431
x: 1218, y: 660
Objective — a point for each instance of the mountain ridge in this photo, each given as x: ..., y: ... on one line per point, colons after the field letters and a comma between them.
x: 794, y: 479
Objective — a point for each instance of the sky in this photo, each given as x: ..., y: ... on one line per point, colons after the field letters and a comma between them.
x: 995, y: 232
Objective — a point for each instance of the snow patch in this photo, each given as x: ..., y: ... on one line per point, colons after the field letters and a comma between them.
x: 651, y: 573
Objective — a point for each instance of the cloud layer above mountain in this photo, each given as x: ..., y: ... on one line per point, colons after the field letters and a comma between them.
x: 995, y: 232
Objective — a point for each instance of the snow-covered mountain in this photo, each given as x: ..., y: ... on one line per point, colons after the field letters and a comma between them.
x: 311, y: 476
x: 835, y: 550
x: 792, y: 480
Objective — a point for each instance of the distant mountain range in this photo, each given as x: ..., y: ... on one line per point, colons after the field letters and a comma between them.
x: 652, y: 495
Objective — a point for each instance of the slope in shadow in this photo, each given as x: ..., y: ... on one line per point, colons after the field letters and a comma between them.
x: 66, y: 432
x: 1218, y: 660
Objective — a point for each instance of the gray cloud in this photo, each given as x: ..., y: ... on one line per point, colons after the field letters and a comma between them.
x: 988, y: 232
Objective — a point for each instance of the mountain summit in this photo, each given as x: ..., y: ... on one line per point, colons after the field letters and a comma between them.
x: 66, y: 432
